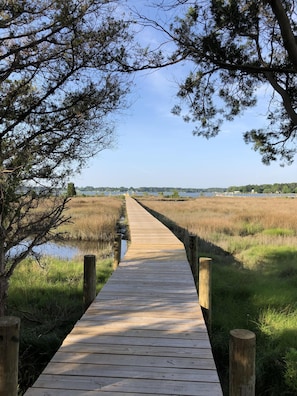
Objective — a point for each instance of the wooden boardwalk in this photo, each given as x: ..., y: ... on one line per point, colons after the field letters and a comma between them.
x: 144, y: 334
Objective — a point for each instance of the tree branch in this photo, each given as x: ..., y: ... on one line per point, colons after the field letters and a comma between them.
x: 286, y: 30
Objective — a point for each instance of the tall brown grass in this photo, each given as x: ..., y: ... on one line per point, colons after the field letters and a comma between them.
x: 92, y: 218
x: 234, y: 222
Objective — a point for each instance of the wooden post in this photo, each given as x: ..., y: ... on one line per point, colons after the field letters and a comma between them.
x: 242, y: 356
x: 193, y: 246
x: 89, y: 292
x: 205, y: 266
x: 9, y: 355
x: 117, y: 250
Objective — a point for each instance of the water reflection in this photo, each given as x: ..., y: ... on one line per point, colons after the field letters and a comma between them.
x: 65, y: 252
x: 71, y: 250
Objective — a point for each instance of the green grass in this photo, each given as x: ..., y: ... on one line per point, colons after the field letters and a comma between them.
x: 49, y: 301
x: 249, y: 228
x: 278, y: 232
x: 262, y: 298
x: 291, y: 368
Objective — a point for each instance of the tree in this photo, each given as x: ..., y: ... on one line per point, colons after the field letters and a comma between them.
x: 175, y: 194
x: 236, y: 48
x: 60, y: 76
x: 71, y: 191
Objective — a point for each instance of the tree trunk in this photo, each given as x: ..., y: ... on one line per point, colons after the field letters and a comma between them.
x: 286, y: 30
x: 3, y: 277
x: 3, y: 293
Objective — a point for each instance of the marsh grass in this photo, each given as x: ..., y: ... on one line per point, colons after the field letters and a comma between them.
x: 253, y: 244
x: 92, y: 218
x: 48, y: 295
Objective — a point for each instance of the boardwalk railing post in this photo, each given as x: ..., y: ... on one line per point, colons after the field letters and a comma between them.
x: 205, y: 267
x: 193, y: 246
x: 242, y: 354
x: 89, y: 289
x: 9, y: 355
x: 117, y: 250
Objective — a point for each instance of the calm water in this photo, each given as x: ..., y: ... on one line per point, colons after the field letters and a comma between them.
x: 73, y: 250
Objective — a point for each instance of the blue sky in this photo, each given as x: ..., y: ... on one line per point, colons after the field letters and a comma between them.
x: 156, y: 148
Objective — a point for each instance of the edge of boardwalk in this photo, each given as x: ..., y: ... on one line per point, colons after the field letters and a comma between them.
x: 144, y: 334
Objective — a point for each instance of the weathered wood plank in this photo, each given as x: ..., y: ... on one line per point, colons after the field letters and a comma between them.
x: 152, y: 322
x: 144, y: 334
x: 149, y: 341
x: 136, y: 385
x: 134, y: 329
x: 149, y: 310
x: 104, y: 371
x: 62, y: 392
x: 137, y: 350
x: 132, y: 360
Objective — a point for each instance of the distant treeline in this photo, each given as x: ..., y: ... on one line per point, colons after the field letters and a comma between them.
x: 276, y: 188
x: 149, y: 189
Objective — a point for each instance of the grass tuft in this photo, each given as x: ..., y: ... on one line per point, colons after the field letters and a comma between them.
x: 278, y: 232
x: 291, y: 369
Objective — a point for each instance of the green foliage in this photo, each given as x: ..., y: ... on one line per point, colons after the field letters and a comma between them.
x: 235, y: 48
x: 263, y: 301
x: 62, y: 65
x: 271, y: 260
x: 175, y: 194
x: 71, y: 191
x: 291, y: 369
x: 250, y: 229
x: 276, y: 188
x: 278, y: 231
x: 237, y: 245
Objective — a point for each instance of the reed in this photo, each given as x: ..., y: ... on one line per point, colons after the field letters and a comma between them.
x: 92, y: 218
x: 221, y: 220
x: 253, y: 243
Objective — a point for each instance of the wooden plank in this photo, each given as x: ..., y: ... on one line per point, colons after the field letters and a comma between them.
x: 136, y: 350
x: 144, y: 334
x: 170, y: 330
x: 62, y: 392
x: 152, y: 322
x: 120, y: 386
x: 130, y: 299
x: 144, y: 341
x: 130, y: 384
x: 132, y: 360
x: 106, y: 371
x: 149, y: 310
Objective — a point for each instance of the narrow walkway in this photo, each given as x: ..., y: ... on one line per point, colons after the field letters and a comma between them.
x: 144, y: 334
